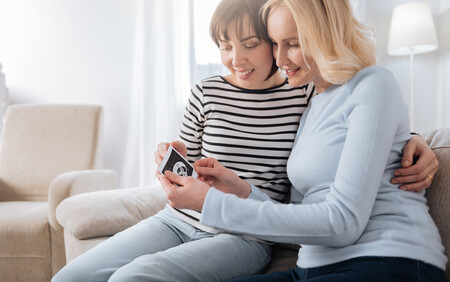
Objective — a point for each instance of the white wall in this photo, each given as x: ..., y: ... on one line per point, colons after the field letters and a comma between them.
x: 443, y: 101
x: 72, y: 51
x: 80, y: 51
x: 426, y: 70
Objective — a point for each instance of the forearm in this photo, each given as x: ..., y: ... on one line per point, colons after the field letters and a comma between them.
x: 298, y: 224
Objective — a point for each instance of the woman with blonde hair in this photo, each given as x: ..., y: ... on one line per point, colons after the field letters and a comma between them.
x: 353, y: 224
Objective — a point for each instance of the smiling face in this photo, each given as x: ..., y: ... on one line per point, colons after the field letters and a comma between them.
x: 247, y: 57
x: 283, y: 32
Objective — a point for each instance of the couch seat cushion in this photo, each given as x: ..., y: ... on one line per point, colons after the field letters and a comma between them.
x: 24, y: 229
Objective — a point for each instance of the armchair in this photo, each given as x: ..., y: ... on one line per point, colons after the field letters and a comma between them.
x: 87, y: 222
x: 47, y: 153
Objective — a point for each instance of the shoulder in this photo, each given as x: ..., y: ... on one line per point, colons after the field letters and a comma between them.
x: 198, y: 89
x: 373, y: 77
x: 211, y: 81
x: 310, y: 91
x: 375, y: 90
x: 373, y: 83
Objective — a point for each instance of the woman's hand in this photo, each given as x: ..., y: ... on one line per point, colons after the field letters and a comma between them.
x: 215, y: 174
x: 190, y: 194
x: 161, y: 150
x: 419, y: 175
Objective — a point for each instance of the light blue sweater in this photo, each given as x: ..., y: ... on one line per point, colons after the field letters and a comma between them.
x: 343, y: 206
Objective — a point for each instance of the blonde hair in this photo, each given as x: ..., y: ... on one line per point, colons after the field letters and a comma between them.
x: 329, y: 33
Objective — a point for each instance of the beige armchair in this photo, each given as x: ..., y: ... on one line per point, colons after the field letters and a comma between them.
x: 47, y: 153
x: 90, y: 218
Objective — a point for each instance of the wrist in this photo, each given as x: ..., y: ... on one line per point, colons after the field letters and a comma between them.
x: 245, y: 191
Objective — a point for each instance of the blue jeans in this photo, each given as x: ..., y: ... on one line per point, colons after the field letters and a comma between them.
x: 165, y: 248
x: 366, y: 269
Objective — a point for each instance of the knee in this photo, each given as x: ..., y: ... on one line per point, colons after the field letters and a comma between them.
x: 66, y: 275
x: 126, y: 273
x: 147, y: 268
x: 73, y: 272
x: 132, y: 272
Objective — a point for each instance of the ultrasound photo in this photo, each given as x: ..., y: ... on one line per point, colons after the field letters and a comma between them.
x: 176, y: 163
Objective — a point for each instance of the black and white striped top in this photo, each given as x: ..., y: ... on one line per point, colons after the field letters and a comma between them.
x: 250, y: 132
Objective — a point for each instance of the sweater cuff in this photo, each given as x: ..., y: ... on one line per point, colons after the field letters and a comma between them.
x: 211, y: 206
x: 257, y: 194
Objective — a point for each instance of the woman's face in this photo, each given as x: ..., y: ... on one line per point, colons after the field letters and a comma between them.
x: 287, y: 52
x: 248, y: 58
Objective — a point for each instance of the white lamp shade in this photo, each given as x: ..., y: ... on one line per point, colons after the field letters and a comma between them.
x: 412, y: 30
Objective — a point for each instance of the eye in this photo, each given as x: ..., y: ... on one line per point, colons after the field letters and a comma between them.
x: 274, y: 43
x: 293, y: 45
x: 251, y: 43
x: 251, y: 46
x: 225, y: 48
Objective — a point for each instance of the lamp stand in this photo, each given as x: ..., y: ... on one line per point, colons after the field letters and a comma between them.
x: 411, y: 87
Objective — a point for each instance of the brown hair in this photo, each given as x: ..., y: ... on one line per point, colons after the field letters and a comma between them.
x: 234, y: 11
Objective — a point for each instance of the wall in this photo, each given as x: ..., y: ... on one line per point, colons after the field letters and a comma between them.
x: 427, y: 74
x: 443, y: 101
x: 66, y: 51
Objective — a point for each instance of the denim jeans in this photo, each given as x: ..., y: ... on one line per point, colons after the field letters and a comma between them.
x: 365, y: 269
x: 165, y: 248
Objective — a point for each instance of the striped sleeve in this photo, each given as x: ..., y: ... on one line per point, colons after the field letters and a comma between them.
x: 193, y: 122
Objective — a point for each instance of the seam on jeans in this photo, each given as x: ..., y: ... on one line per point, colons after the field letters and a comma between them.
x: 418, y: 271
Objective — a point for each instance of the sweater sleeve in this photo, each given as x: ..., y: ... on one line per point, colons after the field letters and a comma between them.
x: 192, y: 125
x: 258, y: 195
x: 373, y: 114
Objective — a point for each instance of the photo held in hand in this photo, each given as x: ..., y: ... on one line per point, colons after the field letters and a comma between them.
x: 176, y: 163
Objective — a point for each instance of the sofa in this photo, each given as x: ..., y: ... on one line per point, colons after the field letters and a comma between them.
x: 91, y: 218
x: 47, y: 153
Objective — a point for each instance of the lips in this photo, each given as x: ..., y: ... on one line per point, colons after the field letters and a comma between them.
x: 246, y: 73
x: 291, y: 72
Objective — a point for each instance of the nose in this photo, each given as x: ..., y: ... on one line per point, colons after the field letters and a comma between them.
x: 238, y: 58
x: 280, y: 55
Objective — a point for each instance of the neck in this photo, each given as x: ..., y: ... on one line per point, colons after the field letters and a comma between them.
x: 273, y: 81
x: 321, y: 85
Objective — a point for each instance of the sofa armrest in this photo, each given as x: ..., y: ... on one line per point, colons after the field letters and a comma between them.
x: 76, y: 182
x: 105, y: 213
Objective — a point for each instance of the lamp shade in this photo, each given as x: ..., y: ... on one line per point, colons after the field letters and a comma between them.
x: 412, y: 30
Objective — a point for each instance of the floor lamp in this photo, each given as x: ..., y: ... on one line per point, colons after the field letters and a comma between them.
x: 412, y: 32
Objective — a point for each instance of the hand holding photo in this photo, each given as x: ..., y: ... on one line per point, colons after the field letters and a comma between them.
x: 176, y: 163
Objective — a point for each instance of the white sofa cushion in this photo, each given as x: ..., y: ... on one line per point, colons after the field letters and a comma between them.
x: 105, y: 213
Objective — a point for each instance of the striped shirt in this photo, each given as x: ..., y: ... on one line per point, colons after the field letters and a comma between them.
x: 250, y: 132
